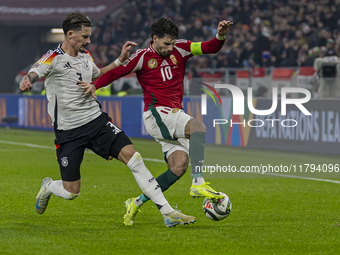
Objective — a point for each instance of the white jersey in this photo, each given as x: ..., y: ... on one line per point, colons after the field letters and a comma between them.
x: 68, y: 106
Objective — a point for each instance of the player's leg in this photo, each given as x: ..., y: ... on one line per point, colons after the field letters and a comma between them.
x: 144, y: 178
x: 111, y: 142
x: 174, y: 124
x: 161, y: 123
x: 151, y: 188
x: 177, y: 166
x: 69, y: 156
x: 176, y: 153
x: 195, y: 130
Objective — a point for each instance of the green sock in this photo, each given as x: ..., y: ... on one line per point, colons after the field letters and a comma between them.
x: 165, y: 180
x: 196, y: 152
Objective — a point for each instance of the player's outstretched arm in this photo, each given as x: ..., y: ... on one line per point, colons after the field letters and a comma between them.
x: 27, y: 81
x: 120, y: 60
x: 125, y: 54
x: 214, y: 45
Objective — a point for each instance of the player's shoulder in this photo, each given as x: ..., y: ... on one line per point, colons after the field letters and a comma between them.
x: 182, y: 41
x: 139, y: 53
x: 183, y: 47
x: 50, y: 55
x: 182, y: 44
x: 87, y: 53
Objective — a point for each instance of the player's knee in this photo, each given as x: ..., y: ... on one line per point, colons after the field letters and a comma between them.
x: 197, y: 126
x: 127, y: 153
x: 179, y: 165
x: 180, y: 170
x: 202, y: 127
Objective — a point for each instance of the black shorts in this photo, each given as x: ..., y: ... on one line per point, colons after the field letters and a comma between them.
x: 100, y: 135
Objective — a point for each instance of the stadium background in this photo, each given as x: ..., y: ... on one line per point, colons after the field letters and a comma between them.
x: 271, y: 44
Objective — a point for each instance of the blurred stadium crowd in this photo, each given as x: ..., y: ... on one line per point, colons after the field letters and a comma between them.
x: 285, y: 33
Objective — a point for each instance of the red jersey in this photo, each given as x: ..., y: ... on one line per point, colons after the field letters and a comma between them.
x: 161, y: 77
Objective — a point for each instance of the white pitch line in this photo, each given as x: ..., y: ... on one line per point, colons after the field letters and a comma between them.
x: 162, y: 161
x: 28, y: 145
x: 301, y: 177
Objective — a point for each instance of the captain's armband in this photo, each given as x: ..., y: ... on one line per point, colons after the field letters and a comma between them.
x: 196, y: 48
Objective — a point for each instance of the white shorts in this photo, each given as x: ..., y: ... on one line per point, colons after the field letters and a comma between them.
x: 167, y: 126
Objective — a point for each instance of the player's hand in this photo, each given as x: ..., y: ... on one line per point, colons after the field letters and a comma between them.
x: 25, y: 84
x: 88, y: 87
x: 223, y: 27
x: 125, y: 54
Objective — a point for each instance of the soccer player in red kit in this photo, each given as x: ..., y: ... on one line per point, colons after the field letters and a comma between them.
x: 160, y: 70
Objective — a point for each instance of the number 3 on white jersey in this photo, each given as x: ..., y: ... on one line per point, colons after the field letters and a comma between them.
x: 166, y: 73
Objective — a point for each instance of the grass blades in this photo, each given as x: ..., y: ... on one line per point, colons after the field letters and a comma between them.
x: 269, y: 215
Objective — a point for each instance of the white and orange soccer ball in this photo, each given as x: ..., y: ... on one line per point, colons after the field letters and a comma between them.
x: 218, y: 209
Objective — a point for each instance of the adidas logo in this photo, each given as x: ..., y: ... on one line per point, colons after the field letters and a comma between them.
x: 208, y: 205
x: 67, y: 65
x: 164, y: 63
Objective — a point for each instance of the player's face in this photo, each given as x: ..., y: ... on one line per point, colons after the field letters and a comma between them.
x: 164, y: 46
x: 80, y: 39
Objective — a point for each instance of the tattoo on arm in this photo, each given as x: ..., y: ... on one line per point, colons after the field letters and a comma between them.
x: 32, y: 77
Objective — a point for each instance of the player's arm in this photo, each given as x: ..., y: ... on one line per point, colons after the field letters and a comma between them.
x: 120, y: 60
x: 131, y: 65
x: 27, y: 81
x: 214, y: 45
x: 41, y: 68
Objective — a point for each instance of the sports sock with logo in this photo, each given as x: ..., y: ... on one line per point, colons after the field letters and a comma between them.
x: 148, y: 183
x: 197, y: 181
x: 165, y: 180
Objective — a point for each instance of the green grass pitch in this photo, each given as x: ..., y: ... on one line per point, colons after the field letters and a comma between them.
x: 269, y: 216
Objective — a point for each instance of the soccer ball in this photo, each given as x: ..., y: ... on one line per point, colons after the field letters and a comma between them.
x: 217, y: 210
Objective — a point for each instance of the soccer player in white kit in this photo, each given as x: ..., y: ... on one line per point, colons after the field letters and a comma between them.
x: 79, y: 122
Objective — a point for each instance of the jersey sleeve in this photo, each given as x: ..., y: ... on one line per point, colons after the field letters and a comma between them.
x: 209, y: 47
x: 132, y: 64
x: 189, y: 48
x: 44, y: 65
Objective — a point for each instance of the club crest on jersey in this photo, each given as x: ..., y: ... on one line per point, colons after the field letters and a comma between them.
x: 152, y: 63
x: 173, y: 59
x: 175, y: 110
x: 86, y: 65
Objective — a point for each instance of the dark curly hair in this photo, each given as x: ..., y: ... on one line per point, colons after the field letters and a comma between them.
x: 75, y: 21
x: 164, y: 27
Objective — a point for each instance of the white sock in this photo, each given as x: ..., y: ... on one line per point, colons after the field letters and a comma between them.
x: 148, y: 183
x: 198, y: 181
x: 57, y: 188
x: 138, y: 202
